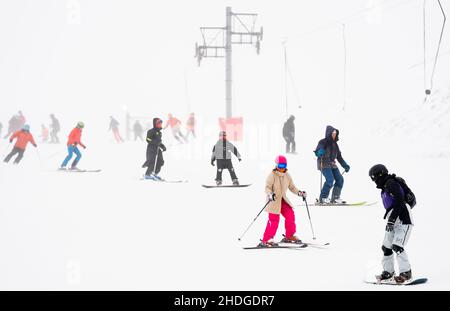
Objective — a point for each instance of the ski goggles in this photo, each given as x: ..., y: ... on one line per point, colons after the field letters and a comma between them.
x: 282, y: 166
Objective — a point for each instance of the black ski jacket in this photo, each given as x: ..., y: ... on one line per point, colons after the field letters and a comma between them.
x: 398, y: 209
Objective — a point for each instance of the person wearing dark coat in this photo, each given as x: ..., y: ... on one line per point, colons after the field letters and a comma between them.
x: 221, y: 152
x: 399, y: 224
x: 327, y: 152
x: 289, y: 134
x: 155, y: 149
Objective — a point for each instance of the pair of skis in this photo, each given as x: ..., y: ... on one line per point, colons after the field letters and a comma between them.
x: 290, y: 245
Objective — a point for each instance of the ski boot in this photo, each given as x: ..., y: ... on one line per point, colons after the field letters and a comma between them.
x: 269, y: 243
x: 385, y: 276
x: 218, y: 183
x: 157, y: 178
x: 235, y: 182
x: 323, y: 201
x: 338, y: 201
x: 149, y: 177
x: 291, y: 240
x: 403, y: 277
x: 74, y: 168
x: 62, y: 168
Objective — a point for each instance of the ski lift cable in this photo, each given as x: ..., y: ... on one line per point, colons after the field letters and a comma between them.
x: 439, y: 44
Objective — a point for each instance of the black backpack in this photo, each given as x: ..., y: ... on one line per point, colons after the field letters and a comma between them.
x: 410, y: 198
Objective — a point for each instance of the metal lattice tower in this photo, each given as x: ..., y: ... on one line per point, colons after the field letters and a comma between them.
x: 244, y: 34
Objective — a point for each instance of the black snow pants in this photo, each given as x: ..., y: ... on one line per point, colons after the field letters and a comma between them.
x: 225, y: 164
x: 154, y: 160
x: 13, y: 153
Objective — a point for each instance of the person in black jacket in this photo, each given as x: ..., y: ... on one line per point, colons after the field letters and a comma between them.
x: 155, y: 148
x: 327, y: 152
x: 289, y: 134
x: 398, y: 227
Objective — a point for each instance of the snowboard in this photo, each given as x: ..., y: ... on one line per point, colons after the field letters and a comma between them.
x: 414, y: 281
x: 226, y: 186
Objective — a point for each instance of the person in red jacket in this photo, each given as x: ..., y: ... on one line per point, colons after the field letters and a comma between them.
x: 23, y: 138
x: 72, y: 147
x: 175, y: 124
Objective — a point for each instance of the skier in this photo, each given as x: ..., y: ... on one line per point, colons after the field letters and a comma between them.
x: 277, y: 184
x: 114, y: 126
x: 174, y: 124
x: 21, y: 119
x: 55, y: 126
x: 138, y: 130
x: 222, y: 153
x: 398, y: 227
x: 23, y: 138
x: 72, y: 147
x: 190, y: 125
x: 1, y: 128
x: 327, y: 151
x: 155, y: 147
x: 44, y: 133
x: 13, y: 126
x: 289, y: 134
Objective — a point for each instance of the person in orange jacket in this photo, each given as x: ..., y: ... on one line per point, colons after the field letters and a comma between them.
x: 44, y: 133
x: 23, y: 138
x: 72, y: 147
x: 175, y: 124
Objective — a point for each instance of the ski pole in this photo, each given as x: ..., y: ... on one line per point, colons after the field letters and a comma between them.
x: 253, y: 221
x: 309, y: 216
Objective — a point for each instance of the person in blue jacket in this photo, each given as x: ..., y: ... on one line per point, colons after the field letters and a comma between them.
x: 327, y: 152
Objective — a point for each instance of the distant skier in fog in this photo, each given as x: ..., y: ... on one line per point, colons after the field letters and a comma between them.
x: 289, y: 134
x: 72, y: 147
x: 175, y: 124
x: 44, y: 133
x: 13, y: 125
x: 22, y: 119
x: 1, y: 128
x: 190, y: 126
x: 56, y: 127
x: 114, y: 126
x: 138, y: 130
x: 23, y: 137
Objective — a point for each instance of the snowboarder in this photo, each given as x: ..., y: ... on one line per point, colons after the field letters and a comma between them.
x: 289, y: 134
x: 155, y: 147
x: 175, y: 124
x: 222, y: 153
x: 190, y: 126
x: 55, y: 126
x: 23, y: 138
x: 277, y: 183
x: 44, y: 133
x: 398, y: 227
x: 138, y: 130
x: 72, y: 147
x: 327, y: 151
x: 114, y: 126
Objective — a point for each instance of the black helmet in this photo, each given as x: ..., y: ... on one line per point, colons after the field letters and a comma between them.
x: 377, y: 171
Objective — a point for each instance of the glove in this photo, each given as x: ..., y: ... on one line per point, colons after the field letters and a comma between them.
x: 240, y: 159
x: 35, y: 146
x: 320, y: 153
x: 212, y: 162
x: 10, y: 141
x: 163, y: 148
x: 272, y: 197
x: 389, y: 226
x: 302, y: 194
x: 346, y: 168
